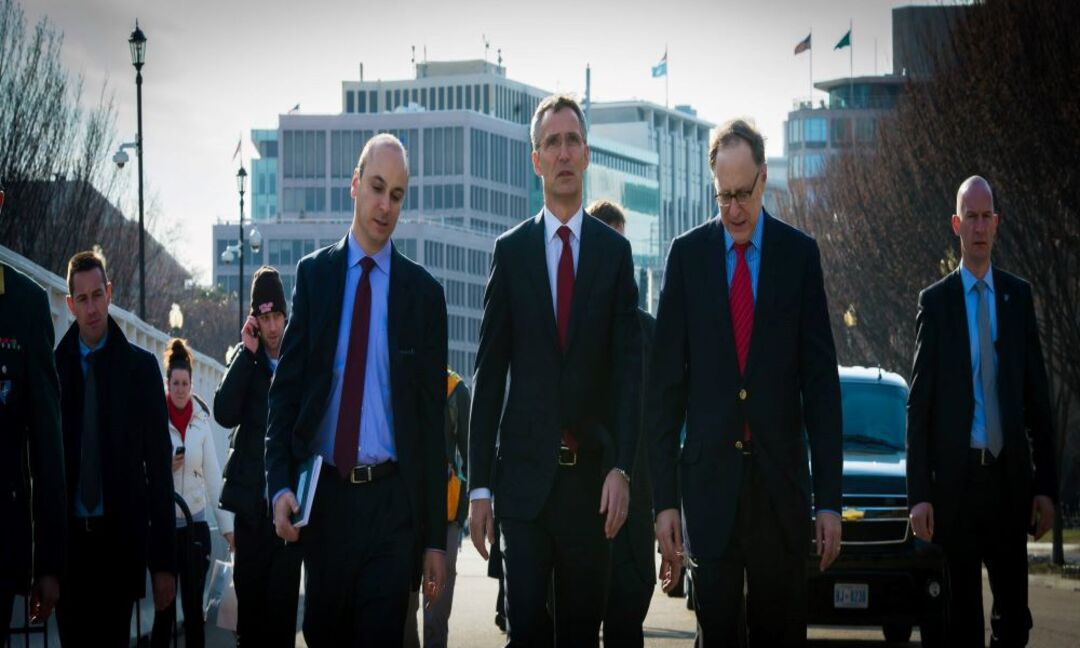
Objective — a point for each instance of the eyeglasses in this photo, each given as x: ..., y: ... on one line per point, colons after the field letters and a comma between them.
x: 725, y: 198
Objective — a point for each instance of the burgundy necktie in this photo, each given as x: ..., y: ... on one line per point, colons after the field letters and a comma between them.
x: 347, y: 437
x: 741, y: 301
x: 564, y: 297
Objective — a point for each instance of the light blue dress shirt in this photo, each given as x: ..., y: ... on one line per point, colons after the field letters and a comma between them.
x: 376, y: 414
x: 753, y: 254
x: 971, y: 303
x: 80, y: 510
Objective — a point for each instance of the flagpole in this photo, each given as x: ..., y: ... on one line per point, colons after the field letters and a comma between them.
x: 810, y: 96
x: 851, y: 64
x: 667, y: 74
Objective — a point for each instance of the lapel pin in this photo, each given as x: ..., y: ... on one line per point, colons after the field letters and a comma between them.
x: 1006, y: 297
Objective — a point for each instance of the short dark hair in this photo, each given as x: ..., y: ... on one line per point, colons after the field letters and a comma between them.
x: 83, y: 262
x: 610, y: 213
x: 732, y: 131
x: 555, y: 103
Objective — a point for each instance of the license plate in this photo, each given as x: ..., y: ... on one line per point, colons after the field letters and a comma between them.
x: 851, y: 595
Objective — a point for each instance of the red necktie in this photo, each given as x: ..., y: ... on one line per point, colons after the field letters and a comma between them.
x: 564, y: 297
x: 347, y: 437
x: 741, y: 301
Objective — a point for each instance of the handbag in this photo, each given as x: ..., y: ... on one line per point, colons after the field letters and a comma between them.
x: 221, y: 602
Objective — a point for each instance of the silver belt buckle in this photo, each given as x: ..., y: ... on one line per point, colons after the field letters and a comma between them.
x: 567, y: 457
x: 360, y: 474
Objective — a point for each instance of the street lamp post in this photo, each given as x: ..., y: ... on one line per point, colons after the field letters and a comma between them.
x: 241, y: 178
x: 137, y: 44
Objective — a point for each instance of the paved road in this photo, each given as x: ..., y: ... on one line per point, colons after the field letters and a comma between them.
x: 1055, y: 605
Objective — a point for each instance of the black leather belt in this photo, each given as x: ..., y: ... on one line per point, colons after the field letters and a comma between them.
x: 91, y: 524
x: 368, y: 473
x: 981, y: 457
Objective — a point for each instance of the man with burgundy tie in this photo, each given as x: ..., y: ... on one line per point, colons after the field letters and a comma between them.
x: 981, y: 470
x: 362, y: 382
x: 560, y: 318
x: 744, y: 356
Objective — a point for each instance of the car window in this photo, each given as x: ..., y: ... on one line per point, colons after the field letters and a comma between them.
x: 874, y: 416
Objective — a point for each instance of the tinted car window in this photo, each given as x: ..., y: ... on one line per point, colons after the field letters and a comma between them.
x: 874, y: 417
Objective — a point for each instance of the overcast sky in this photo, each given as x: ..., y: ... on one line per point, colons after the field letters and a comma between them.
x: 217, y: 69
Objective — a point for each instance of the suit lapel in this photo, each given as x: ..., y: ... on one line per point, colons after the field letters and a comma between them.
x: 332, y: 277
x: 768, y: 276
x: 718, y: 299
x: 956, y: 307
x: 1007, y: 328
x: 536, y: 260
x: 397, y: 312
x: 588, y: 258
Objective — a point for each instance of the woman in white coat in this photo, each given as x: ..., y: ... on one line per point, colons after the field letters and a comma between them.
x: 197, y: 477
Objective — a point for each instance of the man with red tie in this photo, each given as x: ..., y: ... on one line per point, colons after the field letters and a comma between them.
x: 560, y: 321
x: 744, y: 356
x: 361, y: 382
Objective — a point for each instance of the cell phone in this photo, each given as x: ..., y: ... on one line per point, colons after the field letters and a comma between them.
x: 180, y: 451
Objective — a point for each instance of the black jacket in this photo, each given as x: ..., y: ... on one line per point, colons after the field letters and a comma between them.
x: 639, y: 522
x: 29, y: 429
x: 942, y: 402
x: 300, y: 391
x: 791, y: 380
x: 136, y: 453
x: 592, y: 388
x: 241, y: 402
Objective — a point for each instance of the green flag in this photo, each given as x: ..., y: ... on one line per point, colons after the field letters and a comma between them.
x: 845, y: 41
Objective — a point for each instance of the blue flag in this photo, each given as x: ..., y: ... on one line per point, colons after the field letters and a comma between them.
x: 660, y: 69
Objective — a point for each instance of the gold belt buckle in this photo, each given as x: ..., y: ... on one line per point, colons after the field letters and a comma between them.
x: 567, y: 457
x: 360, y: 474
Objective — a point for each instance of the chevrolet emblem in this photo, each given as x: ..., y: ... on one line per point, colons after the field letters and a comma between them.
x: 852, y: 514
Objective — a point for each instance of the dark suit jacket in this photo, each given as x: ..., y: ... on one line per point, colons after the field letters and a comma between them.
x: 136, y: 453
x: 417, y: 345
x: 639, y: 522
x: 591, y: 389
x: 790, y: 381
x: 31, y: 501
x: 241, y: 402
x: 942, y: 401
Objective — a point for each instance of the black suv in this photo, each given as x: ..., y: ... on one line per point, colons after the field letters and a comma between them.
x: 884, y: 576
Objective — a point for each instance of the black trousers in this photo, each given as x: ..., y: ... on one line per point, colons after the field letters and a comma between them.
x: 980, y: 535
x: 361, y: 554
x: 7, y: 599
x: 563, y: 549
x: 774, y: 575
x: 628, y: 596
x: 192, y: 561
x: 267, y: 580
x: 90, y: 612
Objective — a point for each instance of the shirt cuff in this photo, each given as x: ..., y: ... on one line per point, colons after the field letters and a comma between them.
x: 820, y: 511
x: 442, y: 551
x: 479, y: 493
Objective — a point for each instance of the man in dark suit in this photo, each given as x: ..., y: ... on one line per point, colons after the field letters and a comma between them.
x: 633, y: 551
x: 119, y: 467
x: 362, y: 382
x: 560, y: 316
x: 981, y: 469
x: 31, y: 451
x: 744, y: 355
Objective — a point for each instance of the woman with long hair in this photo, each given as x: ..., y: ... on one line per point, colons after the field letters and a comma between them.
x: 197, y: 477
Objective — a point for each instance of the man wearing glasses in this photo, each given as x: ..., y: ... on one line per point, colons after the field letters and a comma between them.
x: 744, y: 356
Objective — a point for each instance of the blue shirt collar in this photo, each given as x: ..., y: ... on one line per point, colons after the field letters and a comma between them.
x: 85, y: 350
x: 755, y: 236
x: 969, y: 280
x: 382, y: 257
